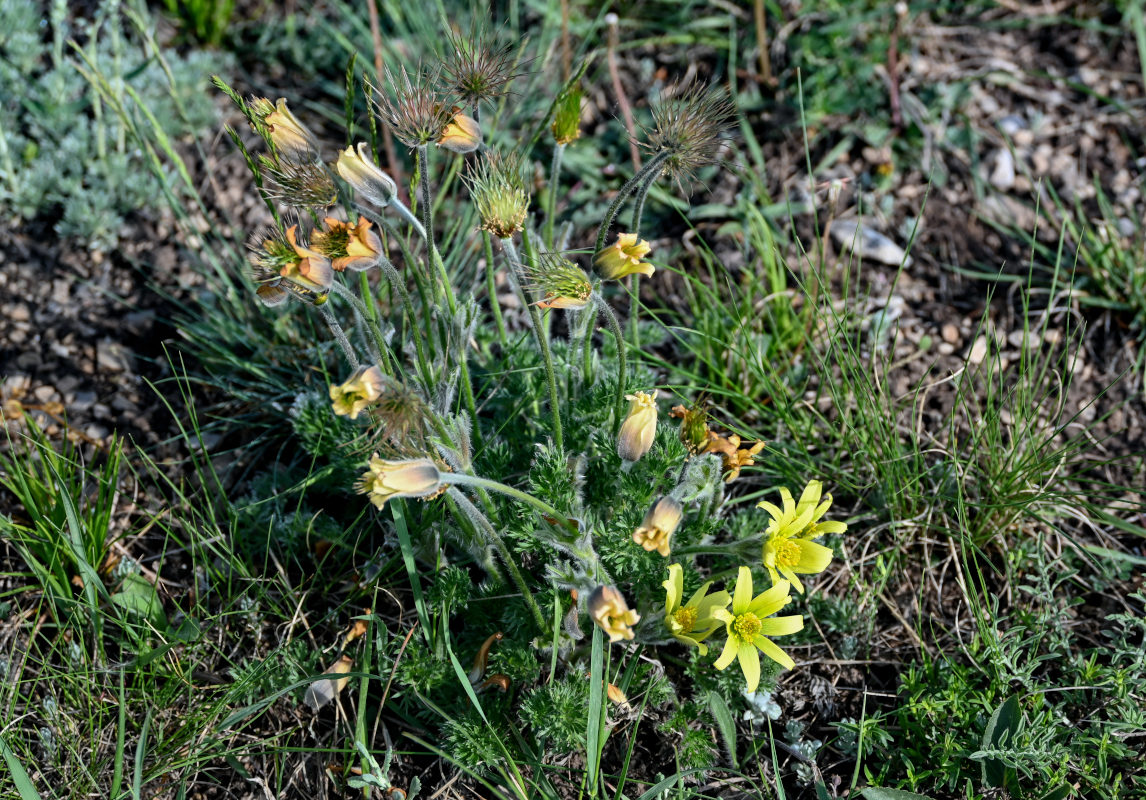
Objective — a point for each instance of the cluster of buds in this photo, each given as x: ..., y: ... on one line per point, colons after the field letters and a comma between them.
x: 699, y: 438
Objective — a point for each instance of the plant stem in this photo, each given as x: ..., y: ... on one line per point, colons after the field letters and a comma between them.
x: 372, y: 337
x: 653, y: 166
x: 491, y: 290
x: 551, y: 210
x: 428, y: 227
x: 458, y: 479
x: 399, y: 286
x: 590, y: 313
x: 542, y: 344
x: 474, y: 513
x: 405, y: 213
x: 339, y: 336
x: 622, y: 366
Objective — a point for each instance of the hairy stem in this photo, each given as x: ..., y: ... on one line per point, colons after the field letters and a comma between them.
x: 551, y: 206
x: 339, y: 336
x: 491, y: 290
x: 652, y: 167
x: 371, y: 336
x: 551, y: 513
x: 622, y: 365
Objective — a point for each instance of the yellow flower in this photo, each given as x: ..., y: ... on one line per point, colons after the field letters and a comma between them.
x: 288, y: 134
x: 349, y: 247
x: 311, y: 270
x: 659, y: 525
x: 462, y: 135
x: 788, y: 545
x: 386, y: 480
x: 608, y: 609
x: 748, y: 627
x: 694, y: 621
x: 358, y: 391
x: 364, y: 176
x: 623, y: 257
x: 640, y: 426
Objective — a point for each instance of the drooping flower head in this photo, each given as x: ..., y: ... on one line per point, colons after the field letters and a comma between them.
x: 281, y: 264
x: 788, y: 547
x: 687, y: 125
x: 462, y: 135
x: 640, y: 426
x: 287, y: 135
x: 359, y: 170
x: 732, y: 455
x: 560, y: 282
x: 660, y: 523
x: 499, y: 190
x: 349, y: 247
x: 476, y: 68
x: 624, y: 257
x: 387, y: 480
x: 351, y: 397
x: 608, y: 609
x: 416, y: 108
x: 750, y: 622
x: 693, y: 622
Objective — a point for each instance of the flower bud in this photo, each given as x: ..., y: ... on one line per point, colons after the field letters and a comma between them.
x: 364, y: 176
x: 567, y: 115
x: 659, y: 525
x: 640, y: 426
x: 417, y: 477
x: 358, y: 391
x: 608, y: 609
x: 623, y: 257
x: 462, y: 135
x: 288, y: 134
x: 323, y: 691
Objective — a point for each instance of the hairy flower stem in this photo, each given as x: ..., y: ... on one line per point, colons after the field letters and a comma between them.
x: 586, y: 341
x: 399, y: 287
x: 635, y: 289
x: 653, y: 167
x: 554, y: 180
x: 491, y: 290
x: 371, y: 336
x: 339, y: 336
x: 551, y: 513
x: 474, y: 514
x: 622, y: 365
x: 427, y: 209
x: 542, y: 343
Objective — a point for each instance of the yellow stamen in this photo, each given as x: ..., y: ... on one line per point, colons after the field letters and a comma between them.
x: 746, y: 626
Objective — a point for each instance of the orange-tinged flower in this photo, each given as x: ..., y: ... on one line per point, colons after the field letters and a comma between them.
x: 658, y: 526
x: 608, y: 609
x: 361, y: 389
x: 733, y: 456
x: 349, y: 247
x: 462, y: 135
x: 623, y: 257
x: 640, y: 426
x: 311, y: 270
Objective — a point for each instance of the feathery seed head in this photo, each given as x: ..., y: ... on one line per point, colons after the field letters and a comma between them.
x: 300, y: 183
x: 560, y: 282
x: 476, y: 68
x: 418, y: 110
x: 498, y: 187
x: 688, y: 121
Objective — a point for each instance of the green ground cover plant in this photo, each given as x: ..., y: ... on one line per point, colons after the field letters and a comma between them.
x: 463, y: 506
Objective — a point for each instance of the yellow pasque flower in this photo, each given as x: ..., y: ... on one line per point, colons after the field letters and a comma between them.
x: 623, y: 257
x: 359, y: 170
x: 358, y: 391
x: 288, y: 134
x: 462, y: 135
x: 748, y: 627
x: 788, y: 545
x: 659, y: 525
x: 311, y: 269
x: 349, y: 247
x: 608, y: 609
x: 386, y: 480
x: 694, y: 621
x: 640, y: 426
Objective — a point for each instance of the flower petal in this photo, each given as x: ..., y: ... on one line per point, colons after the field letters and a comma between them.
x: 697, y: 598
x: 811, y: 495
x: 674, y: 588
x: 781, y: 626
x: 793, y: 578
x: 714, y: 601
x: 750, y: 664
x: 742, y: 597
x: 769, y: 648
x: 830, y: 526
x: 772, y: 510
x: 767, y: 603
x: 728, y: 655
x: 813, y: 557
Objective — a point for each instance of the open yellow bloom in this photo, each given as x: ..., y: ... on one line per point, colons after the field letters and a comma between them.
x: 311, y: 270
x: 788, y: 546
x: 462, y: 135
x: 748, y: 627
x: 623, y: 257
x: 349, y: 247
x: 358, y: 391
x: 659, y: 525
x: 640, y: 426
x: 609, y: 610
x: 418, y: 477
x: 694, y: 621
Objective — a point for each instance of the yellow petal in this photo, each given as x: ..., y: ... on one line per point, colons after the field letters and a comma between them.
x: 728, y: 655
x: 781, y: 626
x: 813, y: 557
x: 750, y: 664
x: 674, y: 588
x: 769, y: 648
x: 771, y: 601
x: 830, y: 527
x: 793, y: 579
x: 742, y: 598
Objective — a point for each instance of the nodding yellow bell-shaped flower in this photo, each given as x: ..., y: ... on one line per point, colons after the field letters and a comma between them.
x: 357, y: 168
x: 288, y: 134
x: 386, y: 480
x: 311, y: 270
x: 361, y: 389
x: 659, y: 525
x: 640, y: 426
x: 623, y: 257
x: 608, y: 609
x: 349, y: 247
x: 462, y: 135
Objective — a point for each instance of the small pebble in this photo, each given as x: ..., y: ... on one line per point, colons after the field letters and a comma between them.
x: 950, y: 333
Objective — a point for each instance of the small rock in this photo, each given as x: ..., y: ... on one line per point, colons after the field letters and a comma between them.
x: 97, y: 432
x: 946, y: 348
x: 1020, y: 339
x: 111, y: 356
x: 866, y: 242
x: 1003, y: 175
x: 44, y: 394
x: 1012, y: 124
x: 20, y: 313
x: 84, y: 400
x: 950, y: 333
x: 978, y: 351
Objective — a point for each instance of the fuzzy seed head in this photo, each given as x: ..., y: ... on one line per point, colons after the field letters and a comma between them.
x: 687, y: 125
x: 477, y: 69
x: 301, y: 183
x: 560, y: 282
x: 499, y: 190
x: 417, y: 108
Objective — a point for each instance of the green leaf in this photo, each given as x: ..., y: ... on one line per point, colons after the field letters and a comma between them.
x: 880, y: 793
x: 1058, y: 793
x: 722, y: 716
x: 18, y: 773
x: 1001, y: 728
x: 137, y: 596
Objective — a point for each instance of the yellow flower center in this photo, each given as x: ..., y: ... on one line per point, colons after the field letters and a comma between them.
x: 746, y: 626
x: 788, y: 553
x: 685, y: 617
